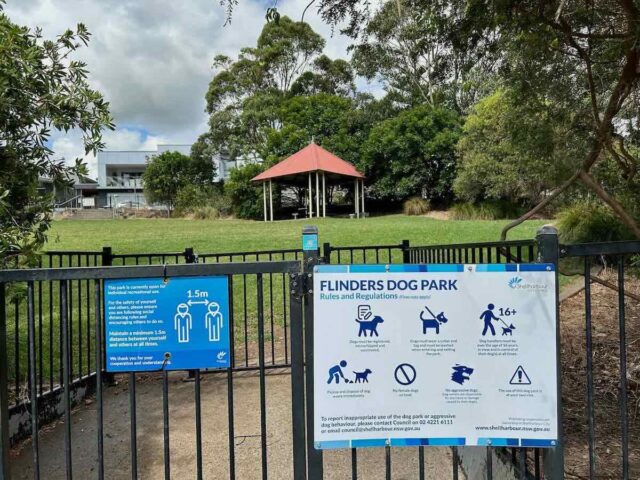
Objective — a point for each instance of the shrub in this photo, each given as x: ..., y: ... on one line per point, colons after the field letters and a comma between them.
x: 590, y: 221
x: 245, y: 196
x: 416, y: 206
x: 487, y: 210
x: 193, y: 198
x: 205, y: 213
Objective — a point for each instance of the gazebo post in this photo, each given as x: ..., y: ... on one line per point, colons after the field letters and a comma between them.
x: 271, y: 200
x: 362, y: 196
x: 310, y: 198
x: 324, y: 197
x: 317, y: 195
x: 356, y: 199
x: 264, y: 199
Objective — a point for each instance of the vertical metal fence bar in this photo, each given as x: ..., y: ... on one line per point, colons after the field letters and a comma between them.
x: 589, y: 352
x: 387, y: 462
x: 522, y: 463
x: 284, y: 315
x: 165, y: 422
x: 88, y: 297
x: 16, y: 345
x: 232, y: 360
x: 536, y: 461
x: 624, y: 413
x: 549, y: 252
x: 133, y: 426
x: 263, y: 398
x: 297, y: 380
x: 80, y: 336
x: 354, y: 464
x: 70, y: 323
x: 98, y: 360
x: 40, y: 341
x: 51, y: 285
x: 454, y: 462
x: 4, y: 389
x: 33, y: 388
x: 64, y: 327
x: 420, y: 462
x: 198, y: 411
x: 489, y: 463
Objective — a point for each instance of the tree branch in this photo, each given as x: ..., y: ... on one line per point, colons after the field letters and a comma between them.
x: 627, y: 219
x: 552, y: 196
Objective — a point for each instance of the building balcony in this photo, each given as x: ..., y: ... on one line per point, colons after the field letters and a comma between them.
x: 123, y: 182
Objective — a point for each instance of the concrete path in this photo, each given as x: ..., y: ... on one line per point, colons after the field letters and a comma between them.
x: 371, y: 462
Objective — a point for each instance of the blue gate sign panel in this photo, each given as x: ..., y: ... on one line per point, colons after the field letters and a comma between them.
x: 178, y: 324
x: 442, y: 355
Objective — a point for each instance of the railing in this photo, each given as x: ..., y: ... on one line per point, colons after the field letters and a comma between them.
x: 33, y: 323
x: 114, y: 181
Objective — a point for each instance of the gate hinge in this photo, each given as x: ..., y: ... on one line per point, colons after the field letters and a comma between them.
x: 301, y: 284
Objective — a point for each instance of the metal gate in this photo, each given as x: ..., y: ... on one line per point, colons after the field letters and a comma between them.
x: 51, y: 328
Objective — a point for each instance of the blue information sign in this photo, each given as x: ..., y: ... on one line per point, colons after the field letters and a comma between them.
x: 310, y: 241
x: 174, y: 324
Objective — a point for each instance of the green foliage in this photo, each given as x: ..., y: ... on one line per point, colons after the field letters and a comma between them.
x: 244, y: 96
x: 245, y: 196
x: 510, y: 151
x: 41, y: 88
x: 192, y: 198
x: 414, y: 47
x: 334, y: 77
x: 413, y: 154
x: 206, y: 212
x: 166, y: 174
x: 332, y: 121
x: 486, y: 210
x: 415, y: 206
x: 590, y: 221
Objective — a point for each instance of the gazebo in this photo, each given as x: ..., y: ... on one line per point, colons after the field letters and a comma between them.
x: 299, y: 170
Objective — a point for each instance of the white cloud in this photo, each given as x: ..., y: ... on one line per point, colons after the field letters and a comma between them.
x: 152, y: 58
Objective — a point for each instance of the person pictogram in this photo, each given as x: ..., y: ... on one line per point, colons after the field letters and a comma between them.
x: 213, y: 321
x: 182, y: 323
x: 487, y: 316
x: 335, y: 373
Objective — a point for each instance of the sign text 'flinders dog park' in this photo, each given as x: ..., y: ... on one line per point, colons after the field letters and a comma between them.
x: 435, y: 355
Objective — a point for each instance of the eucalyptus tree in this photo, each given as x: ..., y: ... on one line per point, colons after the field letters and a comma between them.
x: 42, y: 89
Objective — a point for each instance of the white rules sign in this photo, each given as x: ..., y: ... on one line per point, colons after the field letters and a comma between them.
x: 409, y: 355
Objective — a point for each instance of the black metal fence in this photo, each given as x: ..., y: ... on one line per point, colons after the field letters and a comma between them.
x: 50, y: 338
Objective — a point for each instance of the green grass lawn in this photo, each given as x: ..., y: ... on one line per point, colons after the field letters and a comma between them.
x: 173, y: 235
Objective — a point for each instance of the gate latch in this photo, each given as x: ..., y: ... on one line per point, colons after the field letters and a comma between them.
x: 301, y: 284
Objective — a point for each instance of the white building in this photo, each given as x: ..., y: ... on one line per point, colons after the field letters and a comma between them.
x: 120, y: 173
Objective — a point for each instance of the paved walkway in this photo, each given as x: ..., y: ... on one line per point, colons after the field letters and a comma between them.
x: 214, y: 437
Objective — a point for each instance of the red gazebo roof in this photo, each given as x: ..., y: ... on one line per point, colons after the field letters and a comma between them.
x: 311, y: 158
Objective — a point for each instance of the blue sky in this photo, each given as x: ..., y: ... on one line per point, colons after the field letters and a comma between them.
x: 152, y: 59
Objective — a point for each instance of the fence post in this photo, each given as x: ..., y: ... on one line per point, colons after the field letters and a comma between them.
x: 326, y: 252
x: 310, y: 258
x: 108, y: 378
x: 549, y: 252
x: 189, y: 256
x: 405, y: 251
x: 4, y: 393
x: 107, y: 257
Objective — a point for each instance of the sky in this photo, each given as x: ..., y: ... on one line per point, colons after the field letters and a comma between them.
x: 152, y: 59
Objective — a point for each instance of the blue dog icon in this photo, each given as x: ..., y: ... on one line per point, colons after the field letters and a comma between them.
x: 363, y: 376
x: 369, y: 325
